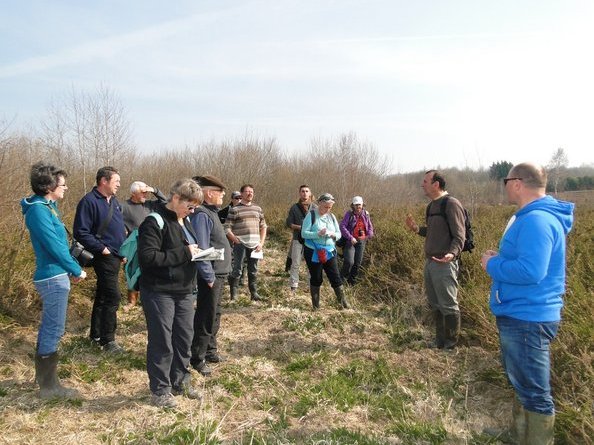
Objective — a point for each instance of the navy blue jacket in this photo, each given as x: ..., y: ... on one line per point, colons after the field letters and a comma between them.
x: 91, y: 211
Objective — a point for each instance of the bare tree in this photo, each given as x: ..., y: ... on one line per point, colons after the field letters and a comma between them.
x: 555, y: 167
x: 89, y: 130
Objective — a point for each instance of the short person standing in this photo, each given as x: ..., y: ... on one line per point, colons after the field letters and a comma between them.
x: 528, y: 276
x: 166, y: 246
x: 294, y: 220
x: 320, y: 231
x: 356, y: 228
x: 54, y: 265
x: 212, y: 275
x: 135, y: 209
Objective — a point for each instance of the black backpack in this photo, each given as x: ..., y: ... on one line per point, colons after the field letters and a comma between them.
x: 469, y: 235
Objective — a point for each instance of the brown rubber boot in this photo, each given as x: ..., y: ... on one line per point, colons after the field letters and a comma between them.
x: 132, y: 300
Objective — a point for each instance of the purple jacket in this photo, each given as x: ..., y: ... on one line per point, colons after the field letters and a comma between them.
x: 348, y: 224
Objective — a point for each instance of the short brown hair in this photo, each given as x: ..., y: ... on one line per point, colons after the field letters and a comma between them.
x: 533, y: 176
x: 106, y: 172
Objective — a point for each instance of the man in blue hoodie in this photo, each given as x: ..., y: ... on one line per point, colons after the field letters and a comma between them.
x: 528, y: 276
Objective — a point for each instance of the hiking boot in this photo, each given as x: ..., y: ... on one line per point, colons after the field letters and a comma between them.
x: 113, y: 348
x: 214, y: 357
x: 202, y: 368
x: 164, y: 401
x: 95, y: 341
x: 188, y: 391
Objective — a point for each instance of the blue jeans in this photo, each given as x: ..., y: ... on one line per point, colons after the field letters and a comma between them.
x: 54, y: 296
x: 352, y: 259
x: 525, y: 355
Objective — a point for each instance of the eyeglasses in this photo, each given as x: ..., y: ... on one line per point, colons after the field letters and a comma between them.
x: 62, y: 185
x: 506, y: 180
x: 237, y: 197
x: 190, y: 208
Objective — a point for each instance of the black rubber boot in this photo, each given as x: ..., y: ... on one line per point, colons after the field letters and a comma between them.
x: 341, y: 297
x: 46, y: 376
x: 233, y: 288
x: 315, y: 296
x: 439, y: 330
x: 452, y: 330
x: 253, y: 287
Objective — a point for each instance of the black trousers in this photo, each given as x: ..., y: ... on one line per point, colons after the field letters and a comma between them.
x: 107, y: 298
x: 169, y: 325
x: 316, y: 269
x: 207, y: 318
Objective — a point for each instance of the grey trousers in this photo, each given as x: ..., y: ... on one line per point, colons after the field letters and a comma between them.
x: 170, y: 326
x: 441, y: 286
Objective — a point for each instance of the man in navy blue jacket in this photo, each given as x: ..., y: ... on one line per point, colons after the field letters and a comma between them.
x: 99, y: 226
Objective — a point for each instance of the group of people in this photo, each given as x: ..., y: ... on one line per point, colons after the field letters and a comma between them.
x: 528, y: 272
x: 316, y: 233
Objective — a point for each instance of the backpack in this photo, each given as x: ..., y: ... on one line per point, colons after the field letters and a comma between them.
x: 129, y: 249
x: 468, y: 233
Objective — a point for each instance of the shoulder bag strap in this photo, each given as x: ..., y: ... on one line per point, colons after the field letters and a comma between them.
x: 106, y: 221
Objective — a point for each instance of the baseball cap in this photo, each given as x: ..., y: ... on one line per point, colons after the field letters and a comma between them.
x: 357, y: 200
x: 235, y: 194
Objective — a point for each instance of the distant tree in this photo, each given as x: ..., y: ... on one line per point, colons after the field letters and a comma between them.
x: 571, y: 184
x: 499, y: 170
x: 89, y: 130
x: 555, y: 167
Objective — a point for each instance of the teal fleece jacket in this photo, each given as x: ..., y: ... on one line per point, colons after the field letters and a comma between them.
x: 529, y: 271
x: 48, y: 236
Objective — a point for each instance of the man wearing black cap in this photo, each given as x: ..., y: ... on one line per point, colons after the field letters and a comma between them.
x: 211, y: 274
x: 235, y: 199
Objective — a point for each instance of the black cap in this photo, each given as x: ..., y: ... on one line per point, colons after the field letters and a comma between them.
x: 209, y: 181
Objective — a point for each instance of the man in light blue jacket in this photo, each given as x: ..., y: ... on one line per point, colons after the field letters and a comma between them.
x: 528, y: 276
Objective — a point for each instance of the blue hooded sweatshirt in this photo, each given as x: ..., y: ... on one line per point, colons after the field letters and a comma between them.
x: 529, y: 271
x: 48, y: 236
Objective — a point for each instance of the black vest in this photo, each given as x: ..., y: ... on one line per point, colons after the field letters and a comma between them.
x: 218, y: 240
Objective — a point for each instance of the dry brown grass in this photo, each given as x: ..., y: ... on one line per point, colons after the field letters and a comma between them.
x: 259, y: 341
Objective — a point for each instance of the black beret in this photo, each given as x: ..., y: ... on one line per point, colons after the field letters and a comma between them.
x: 209, y: 181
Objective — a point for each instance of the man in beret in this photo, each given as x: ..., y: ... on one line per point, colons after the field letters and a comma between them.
x: 211, y: 274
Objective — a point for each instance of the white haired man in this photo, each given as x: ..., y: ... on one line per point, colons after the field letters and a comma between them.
x: 135, y: 210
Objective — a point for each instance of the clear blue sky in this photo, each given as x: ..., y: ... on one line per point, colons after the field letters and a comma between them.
x: 429, y: 83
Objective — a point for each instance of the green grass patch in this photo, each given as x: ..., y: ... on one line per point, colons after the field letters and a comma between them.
x: 412, y: 433
x: 304, y: 323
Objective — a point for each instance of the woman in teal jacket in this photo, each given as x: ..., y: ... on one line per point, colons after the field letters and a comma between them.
x: 320, y: 231
x: 54, y: 265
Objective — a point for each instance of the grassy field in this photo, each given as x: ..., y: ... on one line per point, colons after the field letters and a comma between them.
x: 362, y: 376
